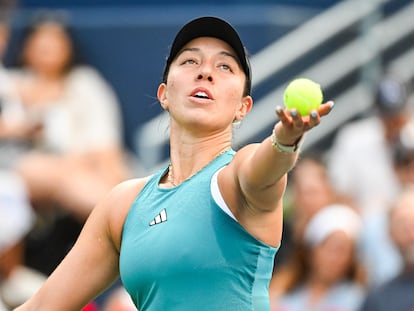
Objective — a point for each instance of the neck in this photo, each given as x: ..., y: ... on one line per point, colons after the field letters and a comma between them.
x: 175, y: 179
x: 190, y: 151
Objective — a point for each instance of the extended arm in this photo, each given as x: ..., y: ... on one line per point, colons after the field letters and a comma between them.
x: 261, y: 171
x: 255, y: 181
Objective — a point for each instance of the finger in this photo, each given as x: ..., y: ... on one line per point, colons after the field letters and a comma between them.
x: 325, y: 108
x: 296, y: 118
x: 314, y: 119
x: 282, y: 114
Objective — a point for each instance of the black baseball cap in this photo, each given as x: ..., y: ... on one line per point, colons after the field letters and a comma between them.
x: 210, y: 26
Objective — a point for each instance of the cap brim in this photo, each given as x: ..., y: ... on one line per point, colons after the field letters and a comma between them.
x: 210, y: 26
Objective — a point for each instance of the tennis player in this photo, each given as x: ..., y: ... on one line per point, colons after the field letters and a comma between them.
x: 201, y: 233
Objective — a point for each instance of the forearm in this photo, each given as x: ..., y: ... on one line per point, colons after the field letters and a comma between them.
x: 78, y: 185
x: 268, y: 164
x: 111, y: 164
x: 90, y: 178
x: 273, y: 158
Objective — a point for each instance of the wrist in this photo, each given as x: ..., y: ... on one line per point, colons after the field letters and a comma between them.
x: 284, y: 148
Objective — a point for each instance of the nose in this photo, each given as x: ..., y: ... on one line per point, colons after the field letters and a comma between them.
x: 208, y: 77
x: 205, y: 73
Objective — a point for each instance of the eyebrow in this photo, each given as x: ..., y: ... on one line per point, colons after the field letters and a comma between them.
x: 225, y: 53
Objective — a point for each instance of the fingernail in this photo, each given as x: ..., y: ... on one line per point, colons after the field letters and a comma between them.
x: 293, y: 112
x: 332, y: 104
x: 313, y: 114
x: 278, y: 109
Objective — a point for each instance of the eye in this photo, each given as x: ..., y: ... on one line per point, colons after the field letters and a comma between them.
x: 225, y: 67
x: 189, y: 61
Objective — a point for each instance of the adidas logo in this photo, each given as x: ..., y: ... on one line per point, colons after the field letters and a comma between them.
x: 161, y: 217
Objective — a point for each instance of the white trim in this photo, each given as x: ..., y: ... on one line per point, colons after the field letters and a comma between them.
x: 218, y: 198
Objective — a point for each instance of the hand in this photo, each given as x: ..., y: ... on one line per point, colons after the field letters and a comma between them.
x: 292, y: 126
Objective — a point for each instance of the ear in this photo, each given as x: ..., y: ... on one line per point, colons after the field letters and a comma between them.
x: 245, y: 107
x: 162, y: 95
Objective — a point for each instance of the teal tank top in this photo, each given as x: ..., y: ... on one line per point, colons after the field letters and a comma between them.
x: 181, y: 251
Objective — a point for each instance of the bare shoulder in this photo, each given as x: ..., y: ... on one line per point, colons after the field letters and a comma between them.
x: 229, y: 177
x: 118, y: 203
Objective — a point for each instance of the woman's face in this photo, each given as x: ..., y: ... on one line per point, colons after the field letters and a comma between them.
x: 331, y: 259
x: 48, y: 49
x: 311, y: 188
x: 311, y: 191
x: 205, y: 85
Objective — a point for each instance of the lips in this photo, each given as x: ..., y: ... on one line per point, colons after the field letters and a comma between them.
x: 201, y: 93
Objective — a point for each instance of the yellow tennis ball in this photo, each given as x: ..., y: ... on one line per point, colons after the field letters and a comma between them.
x: 304, y: 95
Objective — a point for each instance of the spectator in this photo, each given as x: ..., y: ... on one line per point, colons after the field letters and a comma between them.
x: 17, y: 282
x: 12, y: 125
x: 323, y: 273
x: 360, y: 161
x: 309, y: 189
x: 397, y: 293
x: 80, y: 119
x: 361, y: 167
x: 77, y: 152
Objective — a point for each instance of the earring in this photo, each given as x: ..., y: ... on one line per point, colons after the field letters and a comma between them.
x: 236, y: 123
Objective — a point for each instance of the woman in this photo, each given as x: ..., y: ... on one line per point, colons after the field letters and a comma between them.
x: 201, y: 233
x: 74, y: 121
x: 309, y: 189
x: 70, y: 139
x: 324, y: 273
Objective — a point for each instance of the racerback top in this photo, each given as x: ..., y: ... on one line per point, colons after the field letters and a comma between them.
x: 181, y: 251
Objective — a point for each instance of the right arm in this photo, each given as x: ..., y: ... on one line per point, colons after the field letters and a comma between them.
x: 92, y: 264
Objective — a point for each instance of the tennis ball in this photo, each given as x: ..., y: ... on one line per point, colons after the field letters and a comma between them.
x: 304, y: 95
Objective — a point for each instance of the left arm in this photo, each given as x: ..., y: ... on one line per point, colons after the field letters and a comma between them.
x: 258, y: 174
x: 262, y: 170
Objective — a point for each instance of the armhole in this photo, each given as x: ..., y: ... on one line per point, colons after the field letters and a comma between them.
x: 218, y: 198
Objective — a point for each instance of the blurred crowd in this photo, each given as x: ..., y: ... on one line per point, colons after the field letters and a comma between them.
x: 349, y: 225
x: 348, y: 242
x: 61, y: 150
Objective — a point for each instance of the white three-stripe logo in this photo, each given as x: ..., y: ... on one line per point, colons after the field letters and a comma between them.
x: 161, y: 217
